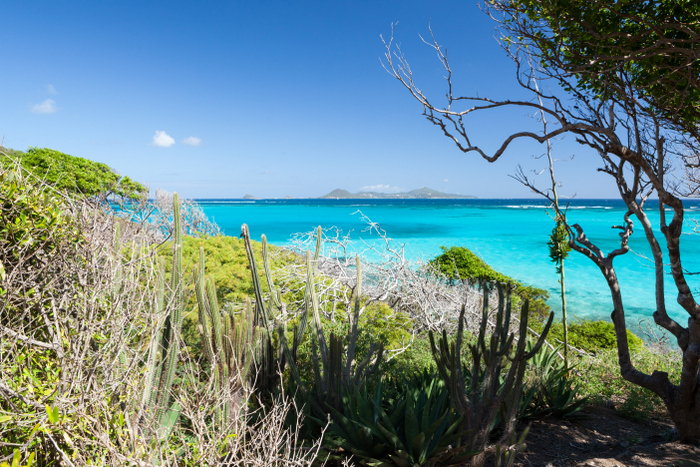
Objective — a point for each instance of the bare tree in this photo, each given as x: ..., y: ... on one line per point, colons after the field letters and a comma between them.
x: 156, y: 215
x: 644, y: 149
x: 412, y: 287
x: 408, y: 286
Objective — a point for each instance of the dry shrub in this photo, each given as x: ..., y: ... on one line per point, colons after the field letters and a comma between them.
x: 77, y: 317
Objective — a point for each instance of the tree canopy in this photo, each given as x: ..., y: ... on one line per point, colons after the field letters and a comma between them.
x: 613, y: 47
x: 75, y: 175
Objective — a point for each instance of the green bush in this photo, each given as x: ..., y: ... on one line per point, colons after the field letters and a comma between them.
x: 75, y: 175
x: 460, y: 263
x: 591, y: 336
x: 416, y: 359
x: 34, y: 226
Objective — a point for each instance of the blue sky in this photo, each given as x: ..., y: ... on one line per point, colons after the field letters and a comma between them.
x: 273, y: 99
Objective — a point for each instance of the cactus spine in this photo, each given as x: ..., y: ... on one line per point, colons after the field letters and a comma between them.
x: 486, y: 396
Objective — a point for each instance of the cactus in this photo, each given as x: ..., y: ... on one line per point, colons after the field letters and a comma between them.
x: 335, y: 368
x: 157, y: 410
x: 332, y: 363
x: 229, y: 340
x: 482, y: 397
x: 269, y: 366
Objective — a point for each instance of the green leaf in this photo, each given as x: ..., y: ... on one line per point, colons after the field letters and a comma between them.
x: 52, y: 413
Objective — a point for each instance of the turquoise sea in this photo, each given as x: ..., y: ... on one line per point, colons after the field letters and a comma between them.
x: 510, y: 235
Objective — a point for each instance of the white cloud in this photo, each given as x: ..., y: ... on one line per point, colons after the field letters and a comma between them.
x: 381, y: 188
x: 46, y: 107
x: 51, y: 89
x: 192, y: 141
x: 446, y: 180
x: 162, y: 140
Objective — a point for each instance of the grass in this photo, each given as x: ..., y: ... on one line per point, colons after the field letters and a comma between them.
x: 599, y: 378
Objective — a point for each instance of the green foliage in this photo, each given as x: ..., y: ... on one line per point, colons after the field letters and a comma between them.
x: 75, y: 175
x: 559, y: 245
x: 416, y: 359
x: 418, y: 428
x: 32, y: 221
x: 227, y: 264
x: 619, y: 47
x: 485, y: 393
x: 17, y: 460
x: 34, y: 227
x: 460, y: 263
x: 550, y: 391
x: 592, y: 336
x: 34, y: 373
x: 601, y: 382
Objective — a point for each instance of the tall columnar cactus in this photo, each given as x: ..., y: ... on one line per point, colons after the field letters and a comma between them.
x: 483, y: 395
x: 231, y: 341
x: 334, y: 365
x: 269, y: 364
x: 159, y: 414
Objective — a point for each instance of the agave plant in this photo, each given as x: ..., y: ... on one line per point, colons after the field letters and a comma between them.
x: 418, y: 428
x: 553, y: 393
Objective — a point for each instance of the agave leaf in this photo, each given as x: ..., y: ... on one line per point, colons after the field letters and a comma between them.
x: 390, y: 435
x: 410, y: 426
x: 418, y: 450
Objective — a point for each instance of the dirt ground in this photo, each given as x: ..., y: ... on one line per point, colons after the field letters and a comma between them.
x: 604, y: 438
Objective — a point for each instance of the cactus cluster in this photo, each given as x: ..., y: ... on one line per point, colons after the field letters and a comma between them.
x: 478, y: 393
x: 270, y: 364
x: 158, y: 411
x: 334, y: 364
x: 231, y: 342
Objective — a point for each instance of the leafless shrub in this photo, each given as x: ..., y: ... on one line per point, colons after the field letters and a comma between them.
x: 258, y: 438
x: 156, y: 215
x: 656, y: 337
x: 413, y: 287
x: 409, y: 286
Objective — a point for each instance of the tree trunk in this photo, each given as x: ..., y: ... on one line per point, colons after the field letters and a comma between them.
x: 563, y: 314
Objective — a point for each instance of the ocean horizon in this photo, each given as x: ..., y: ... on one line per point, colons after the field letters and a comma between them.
x: 511, y: 235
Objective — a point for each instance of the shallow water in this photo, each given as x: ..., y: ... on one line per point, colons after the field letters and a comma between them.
x: 510, y: 235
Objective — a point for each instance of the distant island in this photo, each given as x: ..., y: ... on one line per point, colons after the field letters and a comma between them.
x: 420, y: 193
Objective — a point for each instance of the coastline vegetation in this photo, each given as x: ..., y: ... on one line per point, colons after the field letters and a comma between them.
x: 458, y: 263
x: 608, y: 74
x: 119, y: 349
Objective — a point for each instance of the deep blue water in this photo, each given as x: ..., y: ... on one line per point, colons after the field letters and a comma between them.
x: 510, y: 235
